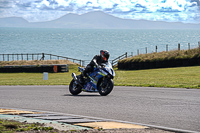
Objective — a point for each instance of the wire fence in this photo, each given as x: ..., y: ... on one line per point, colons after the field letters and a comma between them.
x: 166, y: 48
x: 37, y: 56
x: 45, y: 56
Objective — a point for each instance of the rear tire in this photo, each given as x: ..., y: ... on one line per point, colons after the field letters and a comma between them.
x: 74, y: 88
x: 104, y: 90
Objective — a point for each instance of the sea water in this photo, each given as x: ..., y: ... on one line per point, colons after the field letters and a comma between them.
x: 85, y: 43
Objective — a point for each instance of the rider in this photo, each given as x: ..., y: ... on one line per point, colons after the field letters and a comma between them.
x: 96, y: 61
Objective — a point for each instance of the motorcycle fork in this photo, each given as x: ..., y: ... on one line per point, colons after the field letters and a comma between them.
x: 104, y: 83
x: 76, y: 79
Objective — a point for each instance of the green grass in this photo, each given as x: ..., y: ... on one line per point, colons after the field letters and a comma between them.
x: 181, y: 77
x: 9, y: 126
x: 37, y: 78
x: 170, y: 55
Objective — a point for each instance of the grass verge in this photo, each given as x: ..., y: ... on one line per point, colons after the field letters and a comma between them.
x: 180, y: 77
x: 170, y: 55
x: 10, y: 126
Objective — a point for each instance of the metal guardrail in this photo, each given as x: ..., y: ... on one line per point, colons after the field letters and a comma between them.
x: 45, y: 56
x: 115, y: 61
x: 37, y: 56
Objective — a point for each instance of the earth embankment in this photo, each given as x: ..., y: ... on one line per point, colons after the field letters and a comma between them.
x: 176, y: 58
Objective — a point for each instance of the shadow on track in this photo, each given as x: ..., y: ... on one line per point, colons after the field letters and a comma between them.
x: 86, y: 95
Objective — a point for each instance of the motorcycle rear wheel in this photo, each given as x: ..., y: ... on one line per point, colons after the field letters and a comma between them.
x: 74, y: 88
x: 104, y: 90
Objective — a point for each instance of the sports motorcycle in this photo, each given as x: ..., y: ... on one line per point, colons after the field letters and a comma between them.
x: 100, y: 80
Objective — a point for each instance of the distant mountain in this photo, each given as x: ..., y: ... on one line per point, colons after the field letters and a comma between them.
x: 95, y: 20
x: 13, y: 22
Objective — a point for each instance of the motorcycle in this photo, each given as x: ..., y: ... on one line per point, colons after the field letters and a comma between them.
x: 100, y: 80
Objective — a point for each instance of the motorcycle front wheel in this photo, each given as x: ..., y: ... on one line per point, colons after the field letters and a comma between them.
x: 105, y: 87
x: 74, y: 88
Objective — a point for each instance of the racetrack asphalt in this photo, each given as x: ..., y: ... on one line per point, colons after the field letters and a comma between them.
x: 162, y: 107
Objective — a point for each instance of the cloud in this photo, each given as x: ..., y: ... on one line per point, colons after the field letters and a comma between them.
x: 187, y: 11
x: 196, y: 1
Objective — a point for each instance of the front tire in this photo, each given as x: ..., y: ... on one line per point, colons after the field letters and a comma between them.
x: 74, y: 88
x: 105, y: 89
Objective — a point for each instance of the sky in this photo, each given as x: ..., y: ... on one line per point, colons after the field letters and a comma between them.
x: 186, y: 11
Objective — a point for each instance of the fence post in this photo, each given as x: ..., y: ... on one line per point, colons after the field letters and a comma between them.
x: 126, y: 54
x: 83, y: 63
x: 3, y: 57
x: 189, y: 46
x: 138, y: 52
x: 22, y: 56
x: 167, y: 48
x: 179, y: 47
x: 146, y: 50
x: 27, y: 56
x: 43, y: 56
x: 156, y: 48
x: 199, y: 44
x: 8, y: 57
